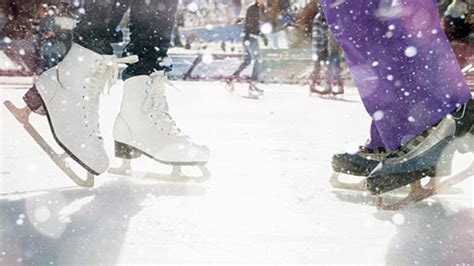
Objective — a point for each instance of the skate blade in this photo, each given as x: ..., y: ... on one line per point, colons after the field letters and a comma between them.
x: 22, y: 115
x: 361, y: 186
x: 337, y: 183
x: 418, y: 192
x: 176, y: 174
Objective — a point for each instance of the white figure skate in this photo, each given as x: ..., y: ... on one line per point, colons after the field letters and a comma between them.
x: 69, y: 97
x: 145, y: 127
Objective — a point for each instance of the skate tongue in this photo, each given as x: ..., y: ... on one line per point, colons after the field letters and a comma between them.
x: 160, y: 76
x: 114, y: 63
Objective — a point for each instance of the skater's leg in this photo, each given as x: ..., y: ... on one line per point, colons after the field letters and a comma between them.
x: 247, y: 59
x: 97, y: 26
x: 69, y: 94
x: 320, y: 38
x: 256, y: 58
x: 144, y: 125
x: 316, y: 73
x: 334, y: 60
x: 320, y: 51
x: 151, y: 27
x: 402, y: 64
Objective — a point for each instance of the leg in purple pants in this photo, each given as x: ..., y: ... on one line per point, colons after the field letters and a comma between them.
x: 402, y: 63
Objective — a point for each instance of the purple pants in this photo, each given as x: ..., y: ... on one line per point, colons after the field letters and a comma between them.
x: 401, y: 62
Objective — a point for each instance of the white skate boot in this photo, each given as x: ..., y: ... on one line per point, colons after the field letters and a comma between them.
x: 69, y: 96
x: 144, y: 126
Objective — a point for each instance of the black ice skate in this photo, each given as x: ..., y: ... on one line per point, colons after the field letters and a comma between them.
x: 359, y: 164
x: 428, y: 155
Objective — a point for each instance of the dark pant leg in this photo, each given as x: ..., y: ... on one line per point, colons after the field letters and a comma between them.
x: 256, y: 58
x: 151, y: 27
x: 334, y: 61
x: 319, y: 47
x: 97, y: 27
x: 247, y: 59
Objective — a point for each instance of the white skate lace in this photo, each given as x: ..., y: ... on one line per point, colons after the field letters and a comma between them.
x: 156, y: 105
x: 104, y: 75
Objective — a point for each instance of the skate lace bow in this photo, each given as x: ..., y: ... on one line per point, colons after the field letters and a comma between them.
x: 107, y: 71
x: 157, y: 105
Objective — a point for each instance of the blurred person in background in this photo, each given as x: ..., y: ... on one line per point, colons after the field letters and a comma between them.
x: 327, y: 59
x: 55, y: 35
x: 253, y: 21
x: 457, y: 26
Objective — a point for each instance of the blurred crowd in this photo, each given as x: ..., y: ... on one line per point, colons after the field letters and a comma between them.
x: 47, y: 25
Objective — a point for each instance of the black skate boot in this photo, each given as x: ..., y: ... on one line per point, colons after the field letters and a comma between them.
x: 359, y: 164
x: 430, y: 154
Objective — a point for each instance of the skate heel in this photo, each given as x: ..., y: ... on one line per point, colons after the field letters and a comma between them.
x: 444, y: 169
x: 466, y: 144
x: 125, y: 151
x: 33, y: 100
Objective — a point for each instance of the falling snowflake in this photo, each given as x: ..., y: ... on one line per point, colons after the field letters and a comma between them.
x: 378, y: 115
x: 411, y: 51
x: 398, y: 219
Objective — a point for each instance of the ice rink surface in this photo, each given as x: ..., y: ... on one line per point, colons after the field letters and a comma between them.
x: 268, y: 200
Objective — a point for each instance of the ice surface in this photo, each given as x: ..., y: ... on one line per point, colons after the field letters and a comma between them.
x: 268, y: 201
